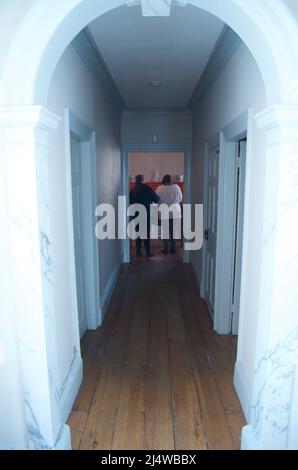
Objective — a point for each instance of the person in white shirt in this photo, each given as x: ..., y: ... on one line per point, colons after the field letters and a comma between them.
x: 171, y: 195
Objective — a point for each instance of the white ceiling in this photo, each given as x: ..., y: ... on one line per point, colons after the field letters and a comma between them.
x: 173, y: 50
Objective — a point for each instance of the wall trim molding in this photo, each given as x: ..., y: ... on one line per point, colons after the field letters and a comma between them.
x: 242, y: 385
x: 248, y: 440
x: 64, y: 439
x: 87, y: 50
x: 71, y: 386
x: 158, y: 111
x: 34, y: 116
x: 126, y: 149
x: 278, y: 115
x: 109, y: 289
x: 225, y: 47
x: 151, y: 148
x: 229, y: 135
x: 86, y: 136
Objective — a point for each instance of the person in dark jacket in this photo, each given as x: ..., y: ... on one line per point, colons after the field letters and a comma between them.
x: 142, y: 194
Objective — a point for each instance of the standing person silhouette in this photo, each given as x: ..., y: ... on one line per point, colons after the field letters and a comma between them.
x: 171, y: 195
x: 142, y: 194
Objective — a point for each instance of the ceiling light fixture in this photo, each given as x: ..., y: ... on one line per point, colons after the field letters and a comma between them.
x: 155, y: 83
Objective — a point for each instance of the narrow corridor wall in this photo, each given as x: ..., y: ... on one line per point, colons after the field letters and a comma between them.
x: 74, y: 87
x: 171, y: 127
x: 239, y: 87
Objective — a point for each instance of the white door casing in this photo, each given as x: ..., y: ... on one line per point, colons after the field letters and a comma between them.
x: 238, y: 231
x: 186, y: 149
x: 82, y: 139
x: 210, y: 229
x: 78, y: 230
x: 229, y: 137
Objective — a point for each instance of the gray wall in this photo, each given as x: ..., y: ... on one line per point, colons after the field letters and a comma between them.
x: 239, y: 87
x: 172, y: 127
x: 74, y: 87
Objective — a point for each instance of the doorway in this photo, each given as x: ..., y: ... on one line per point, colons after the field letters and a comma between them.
x: 238, y: 232
x: 210, y: 225
x: 84, y: 256
x: 154, y: 162
x: 153, y: 166
x: 78, y: 229
x: 224, y: 176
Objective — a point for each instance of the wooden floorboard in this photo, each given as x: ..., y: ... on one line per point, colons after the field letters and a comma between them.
x: 159, y: 425
x: 77, y: 423
x: 156, y: 375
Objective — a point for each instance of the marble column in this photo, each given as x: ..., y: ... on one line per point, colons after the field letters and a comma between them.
x: 277, y: 335
x: 24, y: 136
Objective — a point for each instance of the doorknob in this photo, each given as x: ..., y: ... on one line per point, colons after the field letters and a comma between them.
x: 206, y: 235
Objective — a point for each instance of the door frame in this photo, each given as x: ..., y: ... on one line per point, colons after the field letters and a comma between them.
x: 154, y: 148
x: 86, y: 136
x: 238, y: 234
x: 210, y: 144
x: 229, y: 135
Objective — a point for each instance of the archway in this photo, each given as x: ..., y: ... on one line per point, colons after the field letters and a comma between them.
x: 277, y: 65
x: 26, y: 123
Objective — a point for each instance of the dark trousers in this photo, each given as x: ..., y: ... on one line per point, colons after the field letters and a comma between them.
x: 147, y: 245
x: 170, y: 241
x: 147, y: 242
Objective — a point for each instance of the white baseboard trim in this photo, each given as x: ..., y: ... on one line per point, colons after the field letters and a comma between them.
x: 95, y: 321
x: 71, y: 386
x: 243, y: 388
x: 105, y: 300
x: 248, y: 440
x: 64, y: 439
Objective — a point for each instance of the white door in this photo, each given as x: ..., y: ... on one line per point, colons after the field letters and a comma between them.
x: 76, y: 177
x: 211, y: 227
x: 239, y: 215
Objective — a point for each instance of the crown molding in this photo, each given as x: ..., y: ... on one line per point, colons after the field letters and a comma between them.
x: 88, y: 51
x: 277, y: 116
x: 225, y: 47
x: 158, y: 111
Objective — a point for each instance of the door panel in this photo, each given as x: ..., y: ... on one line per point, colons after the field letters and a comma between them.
x: 78, y: 232
x: 210, y: 230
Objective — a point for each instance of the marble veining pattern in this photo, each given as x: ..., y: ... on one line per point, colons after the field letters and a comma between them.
x: 156, y: 7
x: 33, y: 428
x: 46, y: 257
x: 25, y: 346
x: 30, y: 226
x: 274, y: 375
x: 59, y: 391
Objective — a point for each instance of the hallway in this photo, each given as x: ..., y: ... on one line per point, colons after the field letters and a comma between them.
x: 155, y: 374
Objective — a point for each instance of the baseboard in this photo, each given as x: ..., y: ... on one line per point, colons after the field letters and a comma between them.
x: 248, y: 440
x: 105, y: 300
x: 242, y: 385
x: 64, y: 439
x: 71, y: 386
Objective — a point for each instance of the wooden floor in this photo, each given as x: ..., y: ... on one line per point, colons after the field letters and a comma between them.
x: 155, y: 374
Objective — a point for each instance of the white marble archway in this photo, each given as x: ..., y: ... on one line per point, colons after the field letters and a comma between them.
x: 37, y: 46
x: 270, y: 33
